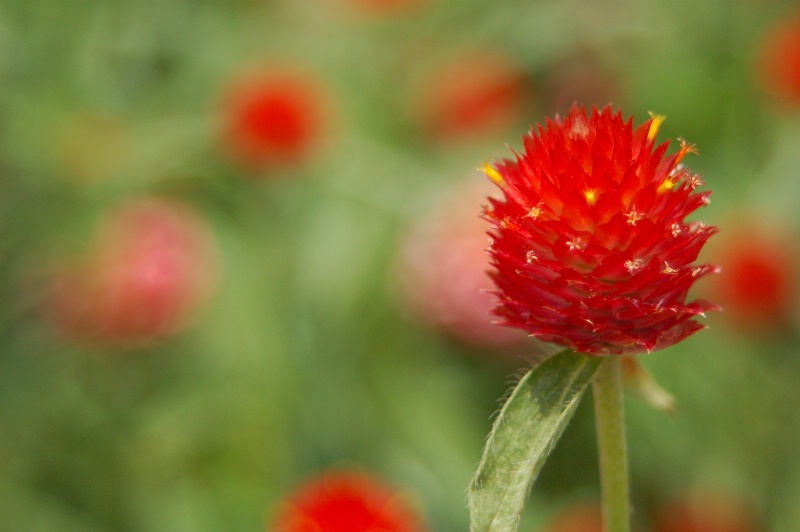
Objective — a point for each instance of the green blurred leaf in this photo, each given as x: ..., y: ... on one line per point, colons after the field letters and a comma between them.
x: 524, y: 433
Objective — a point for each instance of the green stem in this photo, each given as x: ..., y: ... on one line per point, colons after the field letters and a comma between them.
x: 610, y: 418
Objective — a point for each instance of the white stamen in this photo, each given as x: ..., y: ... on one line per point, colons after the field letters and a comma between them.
x: 575, y: 243
x: 696, y: 227
x: 633, y: 265
x: 695, y: 181
x: 634, y: 217
x: 536, y: 211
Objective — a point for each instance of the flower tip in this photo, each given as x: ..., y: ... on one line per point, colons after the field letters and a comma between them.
x: 655, y: 124
x: 492, y: 174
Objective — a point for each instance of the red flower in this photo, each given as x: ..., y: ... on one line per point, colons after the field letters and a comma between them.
x: 273, y: 119
x: 780, y: 60
x: 758, y: 286
x: 706, y: 512
x: 473, y: 94
x: 577, y: 517
x: 150, y: 266
x: 346, y: 502
x: 591, y: 249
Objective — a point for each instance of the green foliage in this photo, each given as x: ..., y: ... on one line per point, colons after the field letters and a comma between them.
x: 525, y: 431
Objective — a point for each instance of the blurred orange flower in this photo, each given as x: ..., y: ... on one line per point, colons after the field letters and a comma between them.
x: 706, y: 512
x: 577, y: 517
x: 779, y: 61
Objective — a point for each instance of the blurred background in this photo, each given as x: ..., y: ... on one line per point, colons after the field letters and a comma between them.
x: 240, y: 246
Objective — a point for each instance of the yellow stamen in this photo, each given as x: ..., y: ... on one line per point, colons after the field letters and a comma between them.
x: 667, y: 185
x: 535, y: 212
x: 493, y: 174
x: 655, y: 124
x: 591, y: 196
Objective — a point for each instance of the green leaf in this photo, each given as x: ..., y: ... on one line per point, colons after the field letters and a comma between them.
x: 525, y: 431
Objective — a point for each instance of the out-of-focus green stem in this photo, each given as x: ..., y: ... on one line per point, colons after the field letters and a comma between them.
x: 610, y: 418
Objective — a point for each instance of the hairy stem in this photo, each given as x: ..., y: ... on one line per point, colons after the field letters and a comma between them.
x: 610, y: 419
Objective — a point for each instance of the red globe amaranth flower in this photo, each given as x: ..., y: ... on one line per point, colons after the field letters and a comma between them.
x: 273, y: 119
x: 706, y: 512
x: 758, y: 287
x: 779, y: 61
x: 441, y: 276
x: 151, y: 264
x: 591, y: 250
x: 473, y: 93
x: 346, y: 502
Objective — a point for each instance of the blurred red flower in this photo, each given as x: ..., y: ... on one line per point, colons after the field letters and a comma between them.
x: 706, y: 512
x: 577, y: 517
x: 472, y: 94
x: 346, y: 502
x: 441, y: 271
x: 758, y: 286
x: 276, y: 118
x: 779, y: 61
x: 591, y: 250
x: 150, y: 264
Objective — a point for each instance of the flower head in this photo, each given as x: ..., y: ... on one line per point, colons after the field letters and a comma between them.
x: 273, y: 119
x: 779, y: 61
x: 591, y: 249
x: 759, y: 287
x: 346, y: 502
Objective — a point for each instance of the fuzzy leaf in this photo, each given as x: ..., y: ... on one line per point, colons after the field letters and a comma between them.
x: 525, y: 431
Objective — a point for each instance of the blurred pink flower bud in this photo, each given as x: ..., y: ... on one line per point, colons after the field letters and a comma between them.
x: 151, y: 263
x: 441, y: 271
